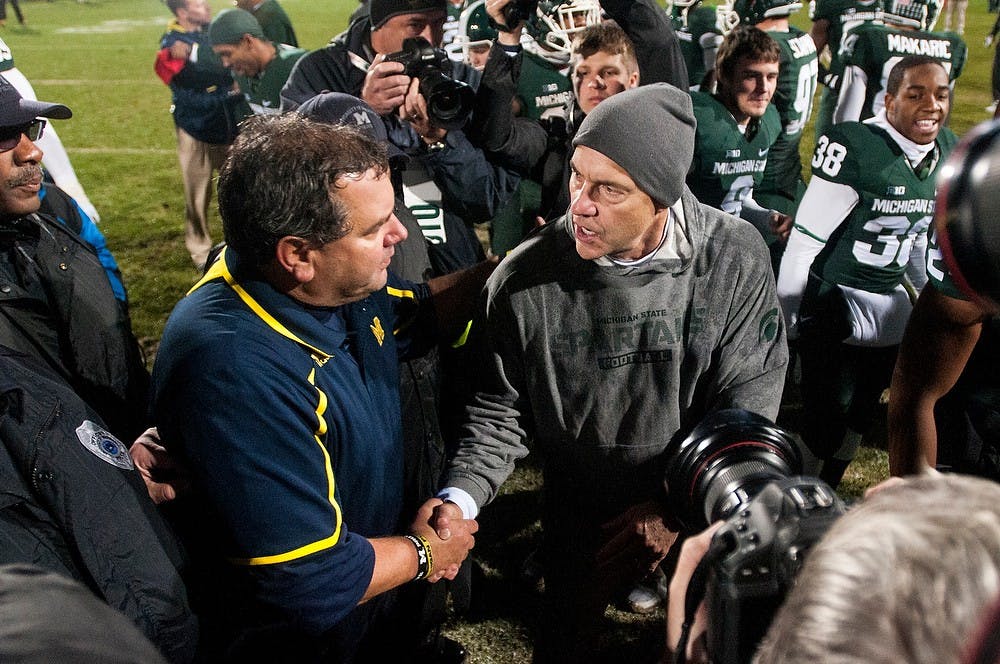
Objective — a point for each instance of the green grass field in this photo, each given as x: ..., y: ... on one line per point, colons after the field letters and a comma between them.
x: 97, y: 58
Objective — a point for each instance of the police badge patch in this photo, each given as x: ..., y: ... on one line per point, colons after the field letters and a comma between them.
x: 103, y: 445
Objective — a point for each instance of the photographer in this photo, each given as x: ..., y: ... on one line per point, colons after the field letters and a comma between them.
x: 449, y: 183
x: 865, y: 591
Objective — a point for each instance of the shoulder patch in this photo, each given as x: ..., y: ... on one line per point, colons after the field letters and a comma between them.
x: 103, y: 445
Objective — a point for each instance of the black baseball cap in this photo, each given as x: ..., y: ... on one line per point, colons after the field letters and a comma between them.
x: 15, y: 110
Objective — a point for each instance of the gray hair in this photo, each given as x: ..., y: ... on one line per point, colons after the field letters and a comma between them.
x: 904, y: 577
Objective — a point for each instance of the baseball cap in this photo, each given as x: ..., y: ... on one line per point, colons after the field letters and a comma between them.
x: 344, y: 109
x: 15, y: 110
x: 231, y: 24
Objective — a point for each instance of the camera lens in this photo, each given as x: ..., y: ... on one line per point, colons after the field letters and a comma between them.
x: 723, y: 463
x: 449, y: 102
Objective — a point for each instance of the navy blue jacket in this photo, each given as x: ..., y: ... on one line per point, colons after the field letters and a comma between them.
x: 289, y: 419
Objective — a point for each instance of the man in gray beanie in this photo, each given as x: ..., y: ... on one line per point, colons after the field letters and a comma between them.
x: 604, y: 335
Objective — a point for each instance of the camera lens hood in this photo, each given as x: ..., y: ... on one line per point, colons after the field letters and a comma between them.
x: 966, y: 214
x: 722, y: 463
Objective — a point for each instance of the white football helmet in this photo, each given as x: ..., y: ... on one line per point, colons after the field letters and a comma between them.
x: 556, y: 23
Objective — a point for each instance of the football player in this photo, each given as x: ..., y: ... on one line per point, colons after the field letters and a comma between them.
x: 833, y: 23
x: 736, y: 128
x: 700, y: 35
x: 874, y: 49
x: 860, y: 232
x: 782, y: 185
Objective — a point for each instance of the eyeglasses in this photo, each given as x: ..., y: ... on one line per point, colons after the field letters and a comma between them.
x: 11, y: 136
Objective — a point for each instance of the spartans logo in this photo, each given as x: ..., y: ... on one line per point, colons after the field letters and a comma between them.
x: 103, y: 445
x: 768, y: 329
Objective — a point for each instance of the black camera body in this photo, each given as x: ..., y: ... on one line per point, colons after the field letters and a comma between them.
x: 741, y: 468
x: 449, y: 102
x: 517, y: 11
x: 760, y: 551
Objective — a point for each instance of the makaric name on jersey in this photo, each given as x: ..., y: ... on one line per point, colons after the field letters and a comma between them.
x: 935, y: 48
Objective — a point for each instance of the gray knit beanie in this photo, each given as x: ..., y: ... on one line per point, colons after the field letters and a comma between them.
x: 380, y: 11
x: 649, y: 132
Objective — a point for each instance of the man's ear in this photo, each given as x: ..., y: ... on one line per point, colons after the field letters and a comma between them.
x: 294, y: 256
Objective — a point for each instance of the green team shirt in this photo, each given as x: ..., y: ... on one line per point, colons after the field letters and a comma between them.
x: 542, y: 89
x: 727, y: 165
x: 450, y: 28
x: 937, y: 271
x: 275, y: 23
x: 844, y: 17
x: 877, y: 48
x: 793, y: 99
x: 871, y: 248
x: 263, y: 92
x: 6, y: 57
x: 700, y: 22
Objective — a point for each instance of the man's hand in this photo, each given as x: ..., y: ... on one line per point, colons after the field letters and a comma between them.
x: 164, y: 477
x: 781, y: 225
x: 180, y: 50
x: 452, y: 545
x: 637, y: 541
x: 385, y: 86
x: 512, y: 35
x: 414, y: 111
x: 692, y: 552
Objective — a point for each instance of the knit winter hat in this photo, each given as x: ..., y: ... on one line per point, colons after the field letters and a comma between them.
x: 381, y: 11
x: 231, y: 24
x: 649, y: 132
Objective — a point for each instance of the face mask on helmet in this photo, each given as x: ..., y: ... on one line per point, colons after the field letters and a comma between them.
x: 474, y: 31
x: 919, y: 14
x: 679, y: 9
x: 554, y: 25
x: 751, y: 12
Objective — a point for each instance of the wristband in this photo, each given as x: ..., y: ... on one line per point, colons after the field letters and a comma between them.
x: 425, y: 560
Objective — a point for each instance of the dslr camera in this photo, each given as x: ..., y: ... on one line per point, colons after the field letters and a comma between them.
x: 741, y: 468
x: 449, y: 102
x: 519, y: 10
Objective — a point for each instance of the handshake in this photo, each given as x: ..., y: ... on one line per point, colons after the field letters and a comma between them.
x: 444, y: 536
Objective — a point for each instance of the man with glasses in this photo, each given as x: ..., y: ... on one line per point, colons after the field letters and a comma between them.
x: 56, y: 302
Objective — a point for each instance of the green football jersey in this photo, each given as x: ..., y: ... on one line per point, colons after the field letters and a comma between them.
x: 877, y: 48
x: 844, y: 17
x: 450, y: 27
x: 6, y: 57
x: 793, y: 100
x: 700, y: 22
x: 728, y: 164
x: 542, y: 89
x: 871, y: 248
x: 275, y: 23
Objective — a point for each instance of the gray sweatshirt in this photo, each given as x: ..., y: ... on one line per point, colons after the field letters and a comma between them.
x: 600, y: 365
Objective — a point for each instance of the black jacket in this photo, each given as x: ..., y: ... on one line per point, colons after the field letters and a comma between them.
x: 72, y: 502
x: 88, y: 340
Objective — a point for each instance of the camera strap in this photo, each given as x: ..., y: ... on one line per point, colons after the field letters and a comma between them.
x: 695, y: 595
